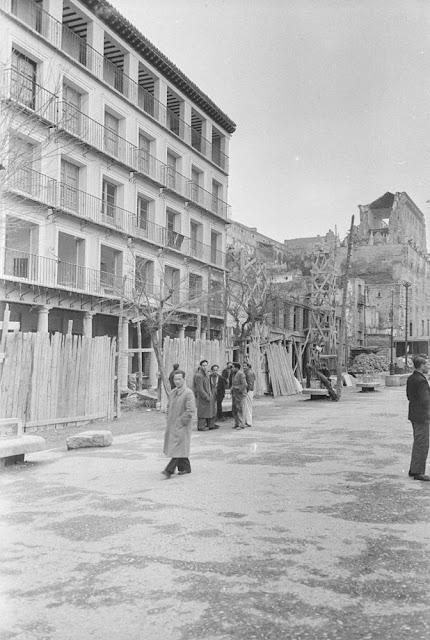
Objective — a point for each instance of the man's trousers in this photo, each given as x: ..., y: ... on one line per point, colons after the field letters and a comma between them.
x: 420, y: 448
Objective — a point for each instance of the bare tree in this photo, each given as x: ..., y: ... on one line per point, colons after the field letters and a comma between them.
x: 249, y: 296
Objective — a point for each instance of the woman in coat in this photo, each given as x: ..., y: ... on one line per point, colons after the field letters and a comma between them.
x: 180, y: 413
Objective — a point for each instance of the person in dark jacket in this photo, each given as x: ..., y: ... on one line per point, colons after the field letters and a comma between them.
x: 172, y: 373
x: 206, y: 409
x: 418, y: 393
x: 228, y: 375
x: 218, y: 388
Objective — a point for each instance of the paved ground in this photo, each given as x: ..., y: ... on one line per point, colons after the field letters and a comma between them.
x: 304, y: 527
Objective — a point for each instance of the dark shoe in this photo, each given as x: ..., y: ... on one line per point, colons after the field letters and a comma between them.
x: 182, y: 473
x: 167, y: 474
x: 216, y: 426
x: 248, y: 425
x: 421, y: 476
x: 204, y: 429
x: 410, y: 474
x: 239, y: 428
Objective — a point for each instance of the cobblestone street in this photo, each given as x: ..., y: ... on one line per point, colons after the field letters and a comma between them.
x: 305, y: 526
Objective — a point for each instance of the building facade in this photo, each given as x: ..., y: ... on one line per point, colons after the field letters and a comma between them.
x: 115, y: 175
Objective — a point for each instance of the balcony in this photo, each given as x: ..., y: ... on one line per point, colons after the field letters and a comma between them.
x: 33, y: 16
x: 61, y: 196
x: 76, y: 46
x: 81, y: 126
x: 28, y: 95
x: 207, y: 200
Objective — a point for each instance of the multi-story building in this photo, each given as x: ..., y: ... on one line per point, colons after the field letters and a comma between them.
x: 115, y: 174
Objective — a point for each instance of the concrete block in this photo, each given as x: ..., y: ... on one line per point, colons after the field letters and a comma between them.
x: 14, y: 448
x: 392, y: 381
x: 90, y: 439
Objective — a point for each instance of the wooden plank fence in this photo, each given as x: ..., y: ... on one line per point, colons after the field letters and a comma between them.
x: 189, y: 353
x: 46, y: 379
x: 281, y: 374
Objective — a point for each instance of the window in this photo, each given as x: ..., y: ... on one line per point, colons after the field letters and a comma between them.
x: 111, y: 270
x: 142, y: 213
x: 24, y: 178
x: 196, y: 179
x: 197, y: 140
x: 174, y: 239
x: 217, y: 144
x: 109, y: 196
x: 31, y: 13
x: 216, y: 297
x: 111, y: 137
x: 173, y: 113
x: 195, y: 286
x: 215, y: 253
x: 71, y: 252
x: 171, y: 171
x: 23, y: 80
x: 69, y: 185
x: 216, y: 191
x: 144, y: 154
x: 144, y: 274
x: 195, y: 235
x: 171, y: 284
x: 72, y: 110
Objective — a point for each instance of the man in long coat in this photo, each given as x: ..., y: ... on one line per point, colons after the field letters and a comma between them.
x: 206, y: 406
x: 180, y: 412
x: 418, y: 393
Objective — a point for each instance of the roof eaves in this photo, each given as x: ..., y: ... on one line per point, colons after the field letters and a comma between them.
x: 111, y: 16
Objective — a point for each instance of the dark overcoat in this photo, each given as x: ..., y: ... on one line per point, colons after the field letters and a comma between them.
x: 180, y: 412
x: 206, y: 407
x: 418, y: 393
x: 218, y: 384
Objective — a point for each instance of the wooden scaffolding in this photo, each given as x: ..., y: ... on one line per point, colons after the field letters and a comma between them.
x: 323, y: 302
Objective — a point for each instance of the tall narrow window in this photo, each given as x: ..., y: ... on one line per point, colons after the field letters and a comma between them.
x: 72, y: 110
x: 69, y: 185
x: 216, y: 189
x: 111, y: 134
x: 23, y: 179
x: 144, y: 149
x: 144, y: 274
x: 215, y: 255
x: 195, y: 185
x: 109, y: 195
x: 194, y: 239
x: 142, y: 213
x: 171, y: 171
x: 23, y: 81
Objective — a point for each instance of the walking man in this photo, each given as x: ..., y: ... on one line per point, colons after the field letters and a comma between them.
x: 180, y: 412
x: 418, y: 393
x: 250, y: 382
x: 206, y: 409
x: 238, y: 396
x: 227, y: 374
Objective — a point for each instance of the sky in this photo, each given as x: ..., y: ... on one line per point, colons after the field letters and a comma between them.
x: 330, y: 99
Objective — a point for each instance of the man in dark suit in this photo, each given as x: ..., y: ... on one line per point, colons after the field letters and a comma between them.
x: 418, y: 393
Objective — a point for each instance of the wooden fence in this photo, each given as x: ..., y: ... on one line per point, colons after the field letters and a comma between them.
x: 189, y: 353
x: 56, y: 379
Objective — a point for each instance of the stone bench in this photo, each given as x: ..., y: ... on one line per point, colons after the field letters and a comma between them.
x: 315, y: 394
x: 368, y: 386
x: 14, y: 446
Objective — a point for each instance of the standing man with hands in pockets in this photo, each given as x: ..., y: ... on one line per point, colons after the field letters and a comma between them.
x: 418, y: 393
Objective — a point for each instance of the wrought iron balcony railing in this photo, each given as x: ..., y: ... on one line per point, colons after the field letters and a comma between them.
x: 62, y: 37
x: 24, y: 92
x: 207, y: 200
x: 63, y: 197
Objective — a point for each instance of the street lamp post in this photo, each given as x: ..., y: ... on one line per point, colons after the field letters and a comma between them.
x: 406, y: 284
x: 392, y: 334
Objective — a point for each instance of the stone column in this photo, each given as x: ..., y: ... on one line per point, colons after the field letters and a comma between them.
x: 88, y: 324
x: 42, y: 319
x: 181, y: 332
x: 123, y: 357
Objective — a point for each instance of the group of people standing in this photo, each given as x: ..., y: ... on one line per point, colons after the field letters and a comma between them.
x: 209, y: 392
